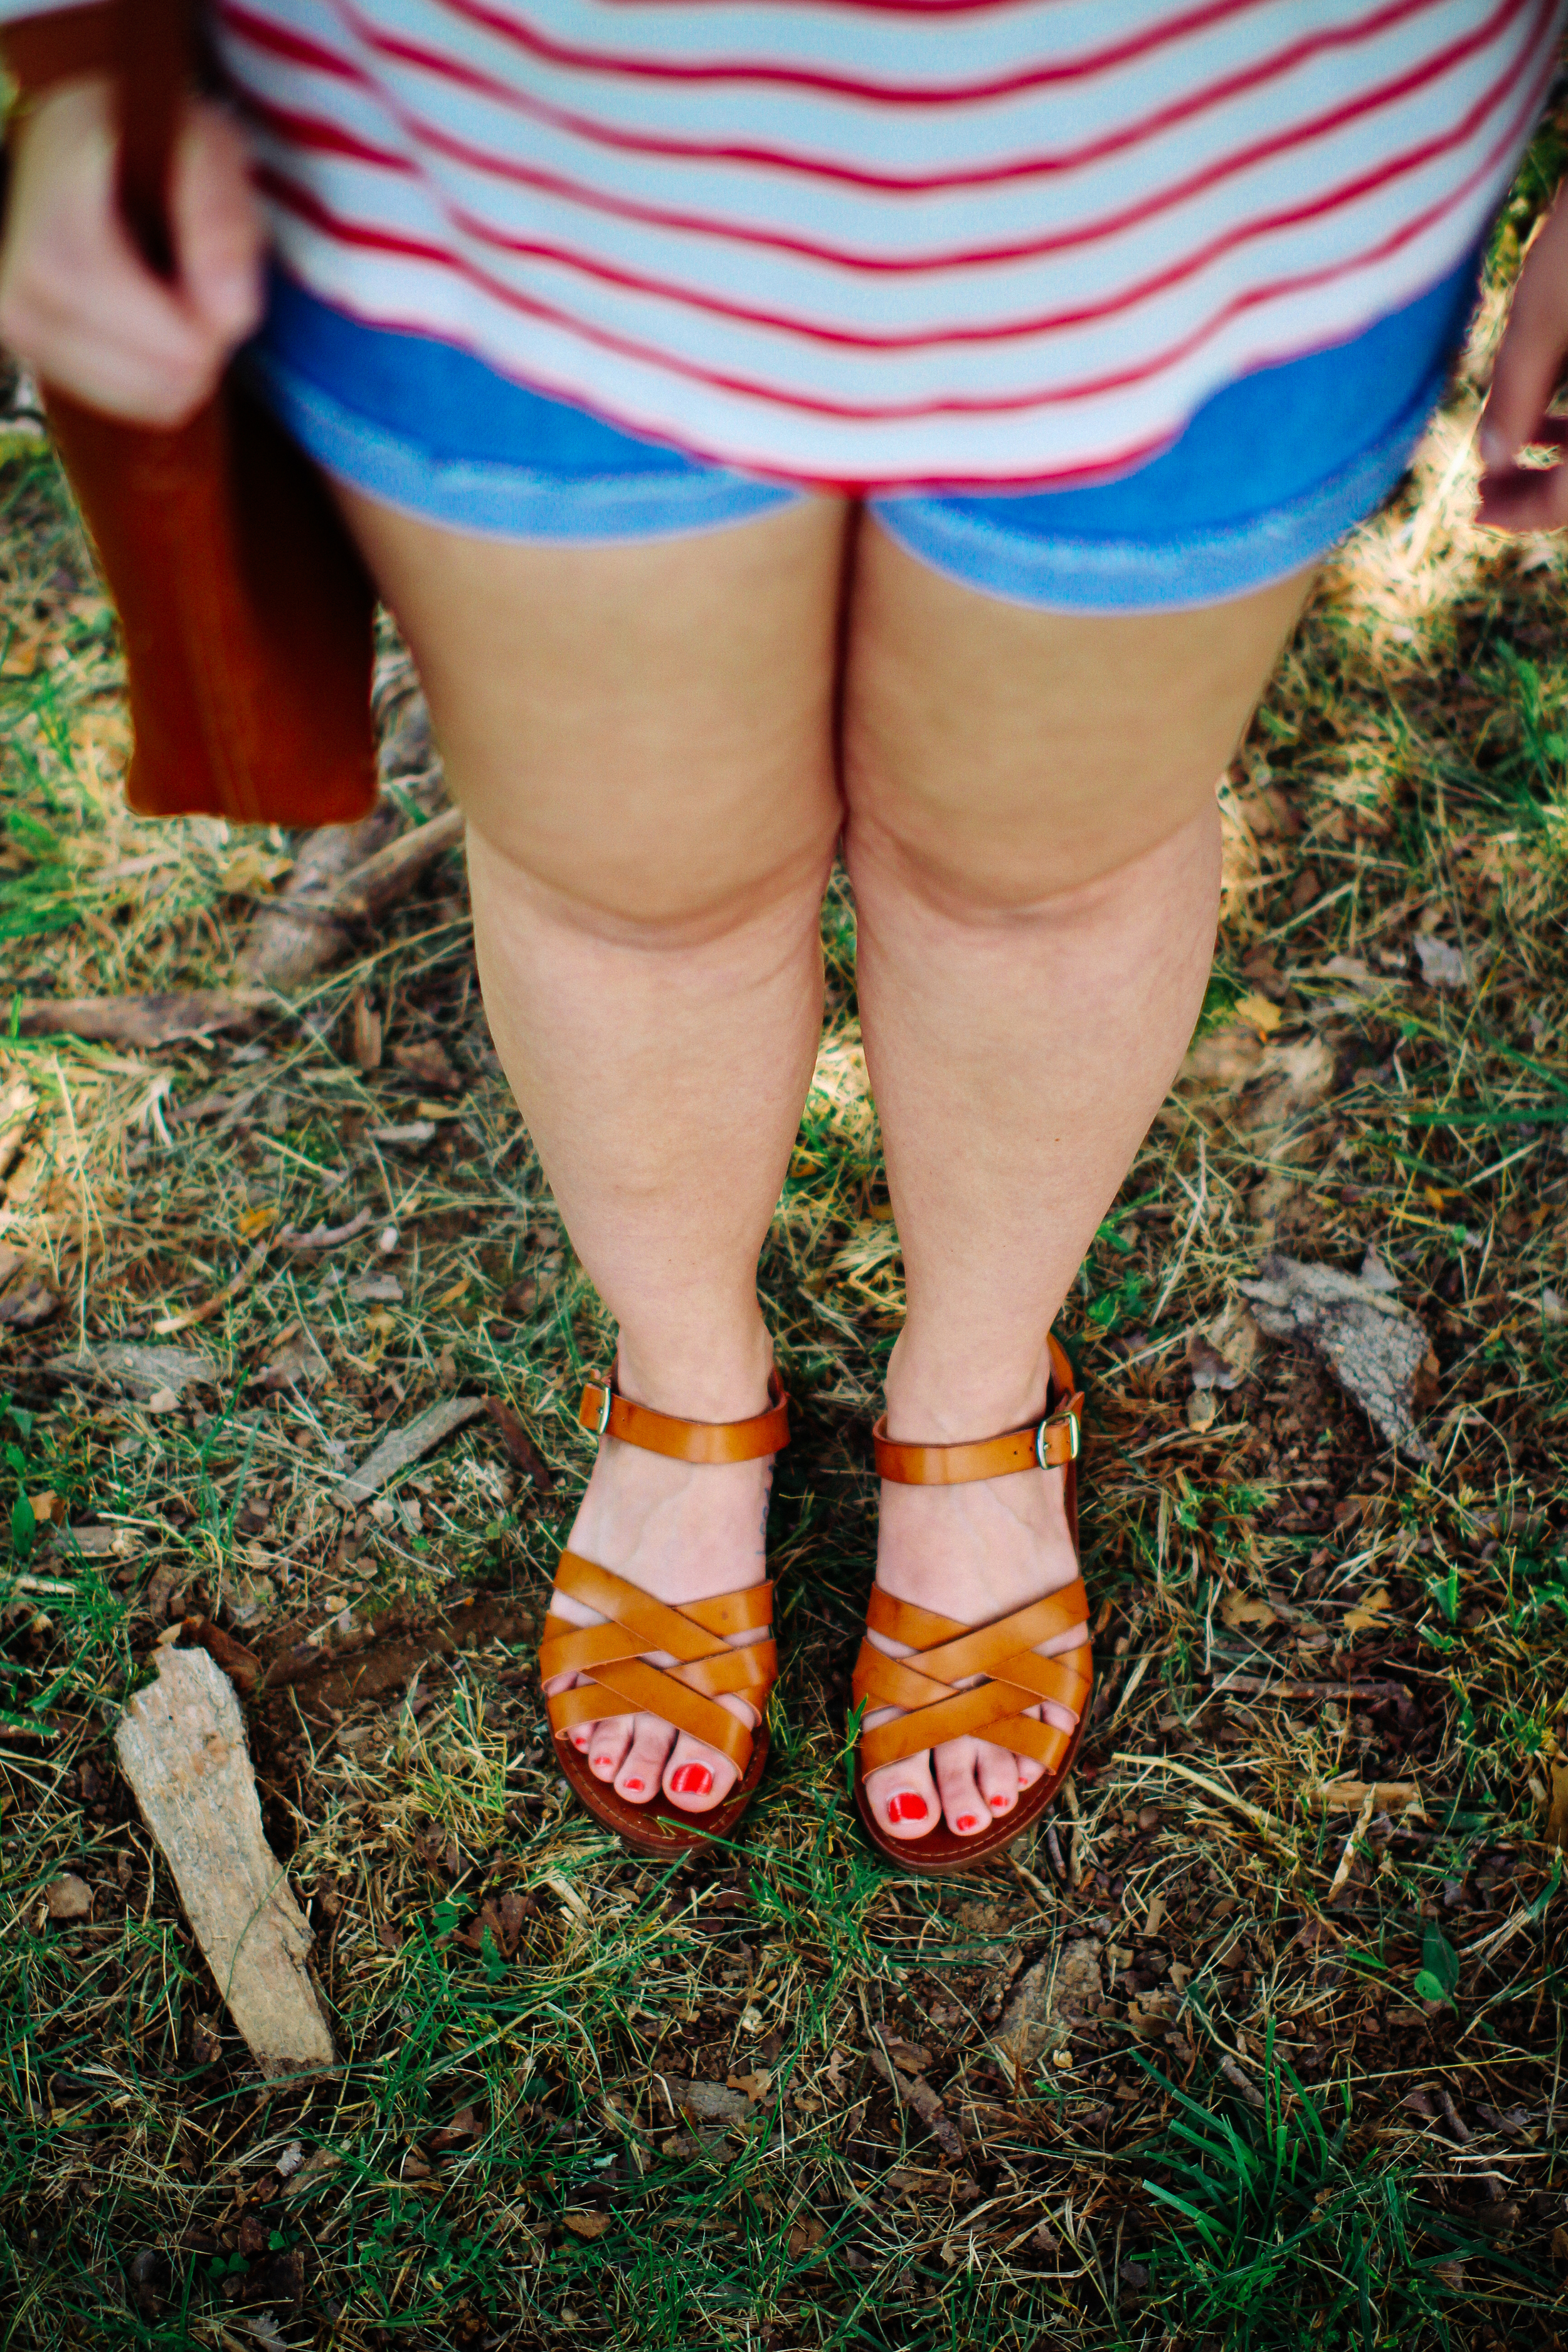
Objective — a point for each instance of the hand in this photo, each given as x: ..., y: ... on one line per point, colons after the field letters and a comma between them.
x: 1528, y: 367
x: 77, y: 304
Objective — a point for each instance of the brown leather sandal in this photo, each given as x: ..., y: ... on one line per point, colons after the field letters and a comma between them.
x: 620, y: 1679
x: 945, y: 1652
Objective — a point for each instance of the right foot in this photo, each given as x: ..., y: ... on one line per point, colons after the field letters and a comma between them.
x: 681, y: 1532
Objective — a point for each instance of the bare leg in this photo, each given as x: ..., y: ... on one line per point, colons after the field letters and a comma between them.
x: 1034, y: 844
x: 641, y: 737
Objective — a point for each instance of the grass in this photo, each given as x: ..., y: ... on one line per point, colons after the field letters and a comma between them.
x: 778, y: 2097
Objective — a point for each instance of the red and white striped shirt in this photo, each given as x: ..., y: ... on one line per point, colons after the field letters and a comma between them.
x: 886, y: 241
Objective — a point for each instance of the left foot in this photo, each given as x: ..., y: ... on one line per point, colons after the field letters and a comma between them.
x: 973, y: 1553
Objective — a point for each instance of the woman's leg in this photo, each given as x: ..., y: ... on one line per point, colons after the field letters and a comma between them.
x: 1034, y: 844
x: 641, y: 738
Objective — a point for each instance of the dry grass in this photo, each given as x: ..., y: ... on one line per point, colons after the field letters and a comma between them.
x: 782, y: 2098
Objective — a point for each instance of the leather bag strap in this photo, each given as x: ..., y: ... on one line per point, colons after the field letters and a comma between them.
x: 607, y: 1413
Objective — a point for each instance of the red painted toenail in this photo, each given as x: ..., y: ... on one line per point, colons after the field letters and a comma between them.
x: 634, y: 1787
x: 601, y: 1760
x: 691, y: 1780
x: 906, y: 1807
x: 967, y: 1821
x: 998, y: 1804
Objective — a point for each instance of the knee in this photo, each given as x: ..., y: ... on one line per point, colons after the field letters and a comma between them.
x: 1031, y: 878
x: 663, y: 888
x: 1038, y: 850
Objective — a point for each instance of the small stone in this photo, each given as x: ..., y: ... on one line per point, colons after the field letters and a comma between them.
x: 163, y: 1401
x: 69, y: 1898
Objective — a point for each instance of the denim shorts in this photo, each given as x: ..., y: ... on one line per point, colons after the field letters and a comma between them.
x: 1263, y: 480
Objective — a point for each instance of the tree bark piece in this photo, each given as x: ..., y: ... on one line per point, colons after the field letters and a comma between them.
x: 406, y: 1445
x: 1375, y: 1348
x: 181, y: 1744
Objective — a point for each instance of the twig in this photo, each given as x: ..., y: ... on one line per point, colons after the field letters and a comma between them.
x: 231, y: 1289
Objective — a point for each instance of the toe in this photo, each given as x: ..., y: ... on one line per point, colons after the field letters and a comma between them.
x: 1027, y: 1767
x: 642, y: 1768
x: 696, y: 1777
x: 963, y: 1807
x: 608, y: 1740
x: 903, y: 1798
x: 996, y: 1777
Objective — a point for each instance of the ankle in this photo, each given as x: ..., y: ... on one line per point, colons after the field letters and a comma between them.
x: 723, y: 1376
x: 937, y: 1397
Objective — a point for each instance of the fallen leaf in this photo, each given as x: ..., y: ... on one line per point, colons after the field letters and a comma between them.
x: 364, y: 1032
x: 710, y: 2103
x: 1442, y: 964
x: 295, y: 1362
x: 428, y: 1066
x: 1239, y: 1609
x: 1370, y: 1612
x: 27, y: 1302
x: 46, y: 1507
x: 804, y: 2235
x: 1226, y: 1057
x: 1203, y: 1409
x: 520, y: 1446
x: 586, y: 2225
x: 1291, y: 1078
x: 1259, y: 1013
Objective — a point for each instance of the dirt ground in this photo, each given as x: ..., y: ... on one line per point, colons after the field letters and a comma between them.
x: 1260, y: 2040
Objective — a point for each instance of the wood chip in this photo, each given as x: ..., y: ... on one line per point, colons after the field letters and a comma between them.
x: 1387, y: 1796
x: 142, y: 1371
x: 154, y: 1020
x: 404, y: 1446
x: 181, y: 1744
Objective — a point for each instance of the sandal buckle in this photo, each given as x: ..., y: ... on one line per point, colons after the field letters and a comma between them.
x: 608, y: 1399
x: 1056, y: 1421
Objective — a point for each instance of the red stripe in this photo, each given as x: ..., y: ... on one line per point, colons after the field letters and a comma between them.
x: 1231, y: 239
x: 757, y: 158
x: 504, y: 26
x: 299, y: 130
x: 309, y: 208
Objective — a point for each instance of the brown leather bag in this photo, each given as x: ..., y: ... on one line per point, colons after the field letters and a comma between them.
x: 247, y: 614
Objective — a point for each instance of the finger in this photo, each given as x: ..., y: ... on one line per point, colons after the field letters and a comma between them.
x: 903, y: 1797
x: 696, y: 1777
x: 996, y: 1777
x: 1530, y: 356
x: 963, y: 1807
x: 218, y: 231
x: 643, y: 1767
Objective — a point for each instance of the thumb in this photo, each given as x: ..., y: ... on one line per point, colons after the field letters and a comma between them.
x: 219, y: 239
x: 1530, y: 358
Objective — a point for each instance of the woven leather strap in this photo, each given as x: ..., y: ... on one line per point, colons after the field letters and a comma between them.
x: 608, y: 1414
x: 619, y: 1679
x: 946, y: 1653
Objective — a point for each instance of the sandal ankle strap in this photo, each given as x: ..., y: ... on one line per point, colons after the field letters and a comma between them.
x: 608, y: 1414
x: 1050, y: 1443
